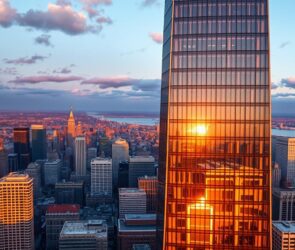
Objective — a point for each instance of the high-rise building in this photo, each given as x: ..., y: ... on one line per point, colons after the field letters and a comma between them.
x: 70, y: 193
x: 90, y: 235
x: 140, y: 166
x: 283, y: 204
x: 80, y: 156
x: 34, y: 171
x: 123, y: 174
x: 39, y: 142
x: 136, y: 229
x: 104, y: 147
x: 16, y: 212
x: 3, y: 160
x: 131, y: 201
x: 276, y: 175
x: 101, y: 177
x: 12, y: 162
x: 91, y: 154
x: 215, y: 120
x: 283, y: 235
x: 56, y: 216
x: 120, y: 152
x: 71, y: 132
x: 52, y: 172
x: 150, y: 185
x: 21, y: 141
x: 285, y: 157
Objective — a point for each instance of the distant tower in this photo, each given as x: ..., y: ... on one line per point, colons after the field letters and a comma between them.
x: 120, y: 152
x: 16, y: 212
x: 71, y: 129
x: 21, y: 140
x: 79, y: 129
x: 39, y: 142
x: 80, y: 156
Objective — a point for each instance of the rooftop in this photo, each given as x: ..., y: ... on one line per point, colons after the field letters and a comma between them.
x: 87, y: 227
x: 284, y: 226
x: 131, y: 190
x: 16, y: 177
x: 140, y: 216
x: 142, y: 159
x: 52, y: 209
x: 139, y: 226
x: 100, y: 160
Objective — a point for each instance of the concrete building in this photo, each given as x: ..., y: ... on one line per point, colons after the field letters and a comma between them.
x: 285, y: 157
x: 52, y: 171
x: 34, y: 171
x: 90, y: 235
x: 283, y: 235
x: 283, y: 204
x: 80, y: 156
x: 56, y: 216
x: 39, y: 142
x: 101, y: 177
x: 70, y: 192
x: 131, y: 201
x: 16, y: 212
x: 140, y: 166
x: 135, y: 229
x: 150, y: 185
x: 120, y: 153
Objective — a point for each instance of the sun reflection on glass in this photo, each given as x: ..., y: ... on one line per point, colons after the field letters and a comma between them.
x: 200, y: 130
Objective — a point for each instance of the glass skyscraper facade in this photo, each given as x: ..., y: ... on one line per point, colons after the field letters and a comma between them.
x: 214, y: 166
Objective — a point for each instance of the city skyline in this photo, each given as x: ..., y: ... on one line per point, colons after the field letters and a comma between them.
x: 117, y: 60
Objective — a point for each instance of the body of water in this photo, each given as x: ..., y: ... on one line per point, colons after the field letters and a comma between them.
x: 283, y: 132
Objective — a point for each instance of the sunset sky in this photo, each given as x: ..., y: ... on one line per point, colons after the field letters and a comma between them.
x: 105, y: 55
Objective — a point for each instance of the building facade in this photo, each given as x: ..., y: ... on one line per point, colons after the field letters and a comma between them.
x: 34, y: 171
x: 283, y: 204
x: 21, y: 143
x: 140, y: 166
x: 70, y: 193
x: 283, y: 235
x: 215, y: 120
x: 150, y: 185
x: 52, y: 171
x: 39, y: 142
x: 16, y: 212
x: 80, y: 156
x: 71, y: 131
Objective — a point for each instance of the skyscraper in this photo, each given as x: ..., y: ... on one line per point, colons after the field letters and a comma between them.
x: 21, y: 141
x: 80, y: 156
x: 16, y: 212
x: 3, y: 160
x: 39, y: 142
x: 214, y: 165
x: 34, y: 171
x: 71, y: 132
x: 120, y: 152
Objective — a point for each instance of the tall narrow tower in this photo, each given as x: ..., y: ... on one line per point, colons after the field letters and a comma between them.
x: 71, y: 134
x: 214, y: 166
x: 16, y: 212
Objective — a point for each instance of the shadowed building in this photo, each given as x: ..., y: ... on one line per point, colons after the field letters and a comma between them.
x: 39, y: 142
x: 214, y: 159
x: 70, y: 193
x: 21, y: 142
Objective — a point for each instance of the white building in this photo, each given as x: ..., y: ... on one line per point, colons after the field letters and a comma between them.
x: 131, y: 201
x: 283, y: 235
x: 101, y: 177
x: 120, y: 152
x: 80, y: 156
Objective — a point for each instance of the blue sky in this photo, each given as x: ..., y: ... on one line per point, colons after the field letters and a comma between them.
x: 55, y: 54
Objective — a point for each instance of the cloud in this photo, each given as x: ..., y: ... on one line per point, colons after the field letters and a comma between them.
x: 25, y: 60
x: 90, y: 6
x: 103, y: 19
x: 46, y: 78
x: 9, y: 71
x: 288, y: 82
x: 62, y: 71
x: 284, y: 44
x: 7, y: 14
x: 43, y: 39
x: 157, y: 37
x: 147, y: 3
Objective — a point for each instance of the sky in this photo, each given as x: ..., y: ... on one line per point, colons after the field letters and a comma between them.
x: 105, y: 55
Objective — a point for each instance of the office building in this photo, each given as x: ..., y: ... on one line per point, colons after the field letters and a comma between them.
x: 131, y: 201
x: 283, y: 204
x: 285, y: 157
x: 91, y: 154
x: 123, y: 175
x: 120, y: 153
x: 16, y: 212
x: 34, y: 171
x: 137, y: 231
x: 90, y: 235
x: 3, y: 160
x: 101, y: 177
x: 104, y: 147
x: 39, y: 142
x: 52, y: 172
x: 140, y: 166
x: 71, y: 131
x: 68, y: 192
x: 12, y: 162
x: 80, y: 156
x: 56, y: 216
x: 150, y: 185
x: 276, y: 175
x: 21, y: 142
x: 283, y: 235
x: 215, y: 106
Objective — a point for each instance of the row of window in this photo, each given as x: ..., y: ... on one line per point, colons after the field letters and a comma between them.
x: 194, y: 9
x: 220, y: 43
x: 184, y: 27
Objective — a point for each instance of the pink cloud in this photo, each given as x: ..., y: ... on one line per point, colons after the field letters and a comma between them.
x: 7, y: 14
x: 42, y: 79
x: 157, y: 37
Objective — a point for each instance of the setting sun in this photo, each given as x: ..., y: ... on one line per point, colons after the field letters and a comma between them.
x: 200, y: 130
